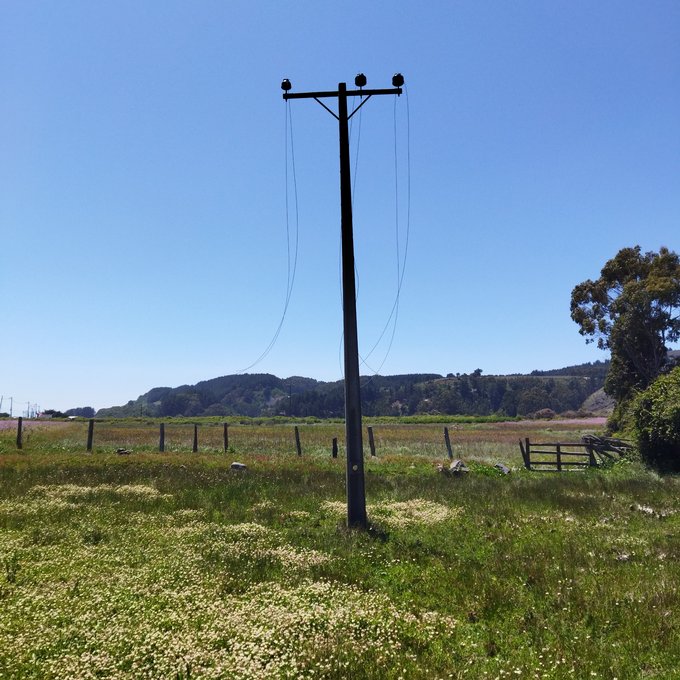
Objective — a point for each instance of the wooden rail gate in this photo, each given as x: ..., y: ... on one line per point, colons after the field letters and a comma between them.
x: 557, y: 456
x: 560, y: 456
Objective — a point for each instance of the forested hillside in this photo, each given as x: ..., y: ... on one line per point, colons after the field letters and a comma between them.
x: 263, y: 394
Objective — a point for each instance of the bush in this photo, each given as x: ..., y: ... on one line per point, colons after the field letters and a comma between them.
x: 543, y: 414
x: 656, y: 415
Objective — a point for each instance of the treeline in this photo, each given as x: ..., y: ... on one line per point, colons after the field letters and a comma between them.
x: 597, y: 370
x: 265, y: 395
x: 80, y: 412
x: 503, y: 395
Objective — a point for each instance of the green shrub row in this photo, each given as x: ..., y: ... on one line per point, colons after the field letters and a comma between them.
x: 656, y: 416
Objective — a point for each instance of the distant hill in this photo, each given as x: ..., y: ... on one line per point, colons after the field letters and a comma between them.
x: 263, y: 395
x: 599, y: 404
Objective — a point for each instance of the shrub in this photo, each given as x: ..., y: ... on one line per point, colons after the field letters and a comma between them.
x: 543, y: 414
x: 656, y: 415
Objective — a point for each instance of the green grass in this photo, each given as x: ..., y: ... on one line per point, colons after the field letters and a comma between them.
x: 174, y: 566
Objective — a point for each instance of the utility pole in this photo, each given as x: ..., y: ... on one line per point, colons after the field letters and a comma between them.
x: 356, y: 493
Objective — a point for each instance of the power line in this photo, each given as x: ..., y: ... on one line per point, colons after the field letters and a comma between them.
x: 291, y: 269
x: 401, y: 267
x: 401, y: 264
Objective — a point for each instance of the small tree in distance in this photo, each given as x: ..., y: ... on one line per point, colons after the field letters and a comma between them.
x: 633, y: 310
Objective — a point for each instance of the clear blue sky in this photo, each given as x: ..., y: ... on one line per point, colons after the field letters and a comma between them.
x: 142, y: 183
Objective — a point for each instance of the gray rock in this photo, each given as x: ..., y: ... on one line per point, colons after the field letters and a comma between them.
x: 239, y: 466
x: 458, y: 467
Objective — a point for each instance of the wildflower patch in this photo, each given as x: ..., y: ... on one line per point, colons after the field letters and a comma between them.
x: 401, y: 514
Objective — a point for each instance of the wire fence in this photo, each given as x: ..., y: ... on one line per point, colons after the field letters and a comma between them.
x: 490, y: 442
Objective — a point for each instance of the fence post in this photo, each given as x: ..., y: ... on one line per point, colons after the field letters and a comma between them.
x: 528, y: 448
x: 525, y: 458
x: 20, y: 423
x: 448, y: 442
x: 591, y: 456
x: 195, y: 446
x: 297, y: 441
x: 226, y: 437
x: 559, y: 457
x: 335, y: 447
x: 90, y: 435
x: 161, y: 443
x: 371, y: 441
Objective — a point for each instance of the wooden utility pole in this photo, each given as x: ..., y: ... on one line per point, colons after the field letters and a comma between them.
x: 356, y: 493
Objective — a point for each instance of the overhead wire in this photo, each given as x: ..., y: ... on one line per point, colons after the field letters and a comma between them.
x: 291, y: 267
x: 401, y: 266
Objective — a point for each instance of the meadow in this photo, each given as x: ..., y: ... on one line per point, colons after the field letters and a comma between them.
x: 172, y: 565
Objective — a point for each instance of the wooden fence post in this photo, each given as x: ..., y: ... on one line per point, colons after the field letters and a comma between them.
x: 528, y: 448
x: 448, y: 442
x: 20, y: 443
x: 161, y: 443
x: 371, y: 441
x: 335, y: 447
x: 90, y: 435
x: 591, y: 456
x: 195, y: 446
x: 226, y: 437
x: 525, y: 458
x: 559, y: 457
x: 297, y: 441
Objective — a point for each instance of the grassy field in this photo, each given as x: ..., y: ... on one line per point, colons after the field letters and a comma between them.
x: 482, y: 441
x: 174, y: 566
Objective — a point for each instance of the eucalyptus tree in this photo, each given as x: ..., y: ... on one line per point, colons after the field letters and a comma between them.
x: 633, y: 310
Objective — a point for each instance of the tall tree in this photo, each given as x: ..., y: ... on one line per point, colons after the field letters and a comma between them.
x: 632, y: 310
